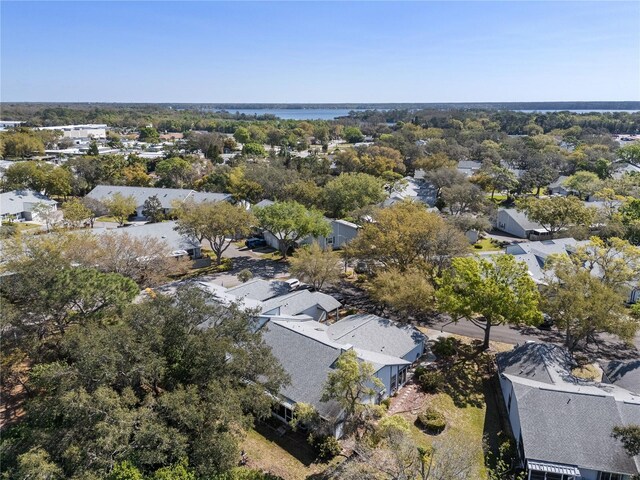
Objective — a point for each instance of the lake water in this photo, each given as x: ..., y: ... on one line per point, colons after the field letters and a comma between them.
x: 333, y: 113
x: 298, y: 113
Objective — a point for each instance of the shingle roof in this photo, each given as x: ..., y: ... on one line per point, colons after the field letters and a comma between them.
x: 573, y: 428
x: 375, y: 334
x: 161, y: 231
x: 18, y: 201
x: 535, y: 361
x: 166, y: 195
x: 259, y: 289
x: 299, y: 301
x: 564, y: 419
x: 308, y: 363
x: 625, y: 374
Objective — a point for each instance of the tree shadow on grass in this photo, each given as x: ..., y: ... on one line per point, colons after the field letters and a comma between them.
x: 295, y: 443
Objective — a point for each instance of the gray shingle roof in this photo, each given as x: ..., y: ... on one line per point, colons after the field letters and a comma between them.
x: 535, y: 361
x: 259, y: 289
x: 299, y: 301
x: 574, y: 429
x: 625, y: 374
x: 521, y: 219
x: 166, y: 195
x: 163, y: 231
x: 18, y: 201
x: 308, y: 363
x: 375, y: 334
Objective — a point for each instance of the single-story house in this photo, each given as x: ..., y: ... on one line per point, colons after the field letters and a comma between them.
x: 562, y: 424
x: 257, y: 296
x: 468, y: 167
x: 516, y: 223
x: 167, y: 196
x: 416, y: 189
x: 342, y: 232
x: 178, y: 244
x: 557, y: 187
x: 308, y: 351
x: 18, y: 205
x: 535, y: 254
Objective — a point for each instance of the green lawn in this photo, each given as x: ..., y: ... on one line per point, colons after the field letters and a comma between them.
x: 486, y: 245
x: 107, y: 218
x: 287, y: 456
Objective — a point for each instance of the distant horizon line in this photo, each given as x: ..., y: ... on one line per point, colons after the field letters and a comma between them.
x: 619, y: 104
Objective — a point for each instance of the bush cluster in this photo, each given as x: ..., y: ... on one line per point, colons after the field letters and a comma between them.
x: 432, y: 421
x: 327, y: 446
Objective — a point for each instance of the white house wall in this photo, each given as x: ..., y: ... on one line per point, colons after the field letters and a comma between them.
x: 506, y: 223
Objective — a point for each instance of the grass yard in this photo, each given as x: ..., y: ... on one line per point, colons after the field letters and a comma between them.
x: 25, y: 227
x: 486, y: 245
x: 467, y: 422
x: 288, y: 456
x: 107, y: 218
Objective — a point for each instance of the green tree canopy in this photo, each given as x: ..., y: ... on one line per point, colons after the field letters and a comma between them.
x: 290, y: 222
x: 556, y: 213
x: 351, y: 191
x: 489, y: 292
x: 219, y: 223
x: 121, y: 207
x: 315, y: 266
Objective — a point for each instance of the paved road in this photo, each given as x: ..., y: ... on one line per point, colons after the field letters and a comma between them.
x: 610, y: 347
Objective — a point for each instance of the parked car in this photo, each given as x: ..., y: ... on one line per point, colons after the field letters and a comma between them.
x: 547, y: 322
x: 293, y: 283
x: 255, y: 243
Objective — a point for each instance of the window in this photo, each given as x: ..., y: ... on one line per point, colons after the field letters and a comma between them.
x: 402, y: 379
x: 394, y: 380
x: 610, y: 476
x: 283, y: 412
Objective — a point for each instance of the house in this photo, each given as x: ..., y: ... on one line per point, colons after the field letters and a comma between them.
x: 468, y: 167
x: 563, y: 424
x: 293, y: 324
x: 416, y: 189
x: 342, y: 232
x: 178, y: 244
x: 535, y: 254
x: 167, y: 196
x: 308, y: 351
x: 558, y: 187
x: 18, y: 205
x: 516, y: 223
x: 269, y: 299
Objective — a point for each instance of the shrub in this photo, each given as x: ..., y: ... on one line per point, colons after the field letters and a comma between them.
x: 326, y: 446
x: 245, y: 275
x: 444, y: 347
x: 386, y: 403
x: 431, y: 382
x: 433, y: 421
x: 478, y: 246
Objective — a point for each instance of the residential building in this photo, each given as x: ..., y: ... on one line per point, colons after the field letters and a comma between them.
x: 167, y: 196
x: 178, y: 244
x: 468, y: 167
x: 295, y: 325
x: 558, y: 187
x: 18, y: 205
x: 416, y: 189
x: 516, y: 223
x: 308, y: 351
x: 562, y: 424
x: 342, y: 232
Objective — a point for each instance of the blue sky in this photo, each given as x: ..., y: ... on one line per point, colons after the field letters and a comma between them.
x: 319, y: 52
